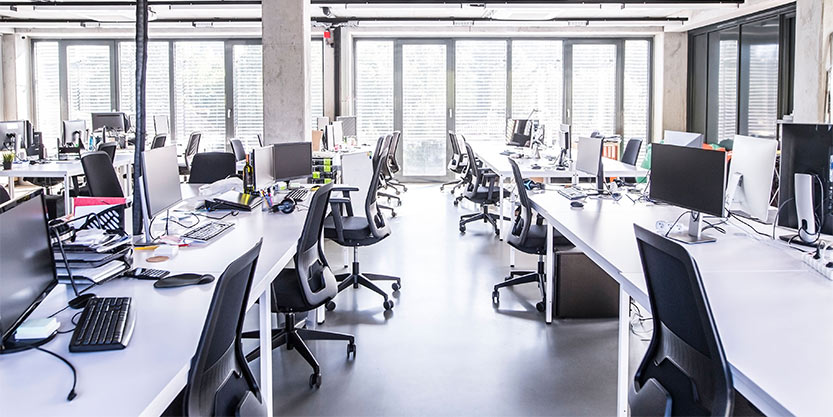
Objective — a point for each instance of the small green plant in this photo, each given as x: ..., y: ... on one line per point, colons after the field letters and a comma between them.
x: 8, y: 157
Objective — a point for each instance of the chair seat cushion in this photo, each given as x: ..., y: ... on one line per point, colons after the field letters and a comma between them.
x: 536, y: 240
x: 287, y: 293
x: 355, y: 228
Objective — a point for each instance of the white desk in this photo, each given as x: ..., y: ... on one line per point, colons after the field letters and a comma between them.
x: 146, y: 376
x: 66, y: 170
x: 774, y: 315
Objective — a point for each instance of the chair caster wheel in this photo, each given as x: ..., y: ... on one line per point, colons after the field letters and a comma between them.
x: 456, y: 202
x: 462, y: 228
x: 441, y: 188
x: 404, y: 189
x: 351, y: 348
x: 392, y: 213
x: 397, y: 192
x: 315, y: 381
x: 388, y: 305
x: 540, y: 306
x: 495, y: 297
x: 399, y: 203
x: 330, y: 306
x: 396, y: 286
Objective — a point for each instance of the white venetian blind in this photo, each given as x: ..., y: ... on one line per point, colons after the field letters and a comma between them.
x: 47, y: 97
x: 763, y: 90
x: 727, y: 98
x: 248, y: 93
x: 88, y: 81
x: 594, y: 89
x: 537, y: 82
x: 424, y: 104
x: 480, y: 89
x: 374, y: 89
x: 636, y: 90
x: 199, y: 92
x: 316, y: 81
x: 157, y: 91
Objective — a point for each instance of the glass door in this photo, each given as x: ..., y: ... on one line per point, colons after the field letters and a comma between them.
x: 423, y: 108
x: 592, y: 94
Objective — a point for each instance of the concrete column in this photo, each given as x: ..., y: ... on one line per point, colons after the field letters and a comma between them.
x: 329, y: 81
x: 286, y: 99
x: 670, y: 82
x: 17, y: 83
x: 812, y: 54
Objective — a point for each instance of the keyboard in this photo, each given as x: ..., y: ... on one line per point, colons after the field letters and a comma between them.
x: 207, y: 231
x: 297, y: 194
x: 106, y: 324
x: 572, y: 193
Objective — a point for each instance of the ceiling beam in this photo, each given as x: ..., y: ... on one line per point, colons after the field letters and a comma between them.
x: 344, y: 20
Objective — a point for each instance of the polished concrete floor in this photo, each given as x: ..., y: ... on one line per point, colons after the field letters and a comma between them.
x: 445, y: 350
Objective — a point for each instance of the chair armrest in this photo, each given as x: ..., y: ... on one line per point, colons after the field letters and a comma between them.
x: 338, y: 202
x: 337, y: 221
x: 343, y: 187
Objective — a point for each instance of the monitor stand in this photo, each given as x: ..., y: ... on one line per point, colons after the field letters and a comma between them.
x: 695, y: 231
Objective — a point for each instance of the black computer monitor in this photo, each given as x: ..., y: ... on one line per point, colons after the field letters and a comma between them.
x: 73, y: 132
x: 36, y: 147
x: 28, y: 271
x: 111, y: 120
x: 806, y: 149
x: 691, y: 178
x: 522, y: 133
x: 292, y: 160
x: 15, y: 135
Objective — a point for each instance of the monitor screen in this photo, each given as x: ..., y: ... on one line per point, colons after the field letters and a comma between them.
x: 73, y: 132
x: 28, y: 271
x: 292, y: 160
x: 692, y: 140
x: 15, y: 135
x: 691, y: 178
x: 751, y: 172
x: 112, y: 120
x: 264, y: 169
x: 806, y: 149
x: 348, y: 124
x: 589, y: 155
x: 160, y: 173
x: 161, y: 125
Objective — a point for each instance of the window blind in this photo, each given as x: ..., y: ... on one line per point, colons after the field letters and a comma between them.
x: 88, y: 81
x: 248, y: 93
x: 199, y: 93
x: 424, y: 104
x: 594, y: 89
x: 374, y: 89
x: 157, y: 91
x: 537, y: 82
x: 47, y: 94
x: 480, y: 89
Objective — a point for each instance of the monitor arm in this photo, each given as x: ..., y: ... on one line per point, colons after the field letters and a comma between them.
x: 735, y: 181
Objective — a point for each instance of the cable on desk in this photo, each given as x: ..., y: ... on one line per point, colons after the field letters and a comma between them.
x: 742, y: 221
x: 667, y: 232
x: 72, y: 393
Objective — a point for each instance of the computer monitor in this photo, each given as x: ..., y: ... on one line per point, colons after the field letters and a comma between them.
x: 691, y: 140
x: 292, y: 160
x: 806, y: 149
x: 36, y: 147
x: 349, y: 125
x: 691, y: 178
x: 751, y: 169
x: 521, y: 133
x: 338, y: 133
x: 111, y: 121
x: 161, y: 125
x: 264, y: 168
x: 322, y: 122
x: 160, y: 179
x: 28, y: 271
x: 15, y: 135
x: 589, y: 159
x: 73, y: 133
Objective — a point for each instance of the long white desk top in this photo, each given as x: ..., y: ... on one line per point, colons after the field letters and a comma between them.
x: 143, y: 378
x: 58, y: 168
x: 774, y: 315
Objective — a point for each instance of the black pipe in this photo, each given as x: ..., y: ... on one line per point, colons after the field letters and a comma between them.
x: 141, y: 77
x: 344, y: 20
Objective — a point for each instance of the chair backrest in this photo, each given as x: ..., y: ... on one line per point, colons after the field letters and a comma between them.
x: 524, y: 219
x: 192, y: 147
x: 317, y: 282
x: 4, y: 195
x: 474, y: 171
x: 101, y: 176
x: 631, y: 151
x: 685, y: 358
x: 393, y: 165
x: 159, y: 141
x: 208, y: 167
x: 378, y: 224
x: 455, y: 145
x: 238, y: 149
x: 109, y: 148
x: 220, y: 378
x: 381, y: 145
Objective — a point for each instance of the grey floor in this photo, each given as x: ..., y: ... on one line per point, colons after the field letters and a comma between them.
x: 446, y: 350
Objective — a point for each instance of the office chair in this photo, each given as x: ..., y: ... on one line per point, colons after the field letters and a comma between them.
x: 158, y: 141
x: 630, y: 155
x: 382, y: 147
x: 355, y: 231
x: 393, y: 165
x: 238, y: 149
x: 109, y: 148
x: 528, y: 238
x: 685, y: 371
x: 457, y: 163
x: 208, y: 167
x: 4, y: 195
x: 467, y: 175
x: 220, y: 382
x: 191, y: 150
x: 483, y: 191
x: 308, y: 286
x: 102, y: 180
x: 384, y: 182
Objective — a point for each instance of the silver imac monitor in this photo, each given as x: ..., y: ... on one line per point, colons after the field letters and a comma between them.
x: 688, y: 139
x: 589, y: 156
x: 321, y: 122
x: 73, y: 132
x: 338, y: 133
x: 348, y: 125
x: 160, y: 179
x: 15, y: 135
x: 751, y: 169
x: 264, y: 168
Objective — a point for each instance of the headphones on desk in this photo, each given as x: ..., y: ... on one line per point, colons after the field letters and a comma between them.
x: 286, y: 206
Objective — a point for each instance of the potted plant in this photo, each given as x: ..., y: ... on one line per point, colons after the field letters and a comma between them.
x: 8, y: 158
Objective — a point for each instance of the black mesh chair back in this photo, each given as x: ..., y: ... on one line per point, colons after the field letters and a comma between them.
x: 109, y: 148
x: 102, y: 179
x: 192, y: 148
x: 238, y: 149
x: 685, y: 371
x: 208, y: 167
x: 524, y: 219
x: 457, y: 166
x: 220, y: 380
x: 317, y: 282
x: 381, y: 145
x: 158, y: 141
x: 378, y: 224
x: 4, y: 195
x: 393, y: 165
x: 631, y: 151
x: 475, y: 173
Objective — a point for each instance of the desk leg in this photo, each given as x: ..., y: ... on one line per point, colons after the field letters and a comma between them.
x: 266, y: 349
x: 550, y: 281
x: 509, y: 227
x: 67, y: 199
x: 320, y: 315
x: 624, y: 354
x: 500, y: 208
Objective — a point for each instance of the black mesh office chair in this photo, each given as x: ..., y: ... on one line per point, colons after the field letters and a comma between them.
x: 483, y: 191
x: 102, y: 180
x: 208, y: 167
x: 528, y: 238
x: 684, y: 372
x: 4, y: 195
x: 355, y: 230
x: 387, y: 176
x: 393, y: 166
x: 630, y: 155
x: 466, y: 177
x: 109, y: 148
x: 158, y: 141
x: 238, y: 149
x: 191, y: 149
x: 456, y: 165
x: 220, y: 382
x: 383, y: 147
x: 308, y: 286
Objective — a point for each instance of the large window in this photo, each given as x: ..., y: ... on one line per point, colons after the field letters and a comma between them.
x: 636, y: 89
x: 538, y: 81
x: 248, y: 93
x: 316, y: 81
x: 88, y: 81
x: 157, y: 91
x: 199, y: 92
x: 374, y: 89
x: 593, y: 89
x: 47, y: 93
x: 480, y: 89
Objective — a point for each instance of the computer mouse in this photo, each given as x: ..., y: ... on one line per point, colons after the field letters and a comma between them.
x: 577, y: 204
x: 536, y: 166
x: 181, y: 280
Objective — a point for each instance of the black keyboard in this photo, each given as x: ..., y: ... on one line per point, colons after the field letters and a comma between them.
x: 105, y: 324
x: 207, y: 231
x: 297, y: 194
